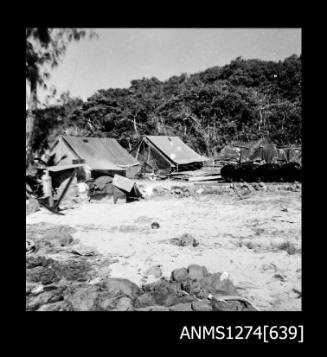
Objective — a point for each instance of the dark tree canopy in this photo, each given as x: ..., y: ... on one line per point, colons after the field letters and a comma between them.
x: 244, y: 100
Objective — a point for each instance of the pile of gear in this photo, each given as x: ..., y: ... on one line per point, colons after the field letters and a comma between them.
x: 252, y: 172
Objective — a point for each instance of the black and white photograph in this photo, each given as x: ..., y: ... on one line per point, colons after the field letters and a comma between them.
x: 163, y: 169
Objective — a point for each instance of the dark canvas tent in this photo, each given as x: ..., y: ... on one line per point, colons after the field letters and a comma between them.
x: 168, y: 153
x: 98, y: 154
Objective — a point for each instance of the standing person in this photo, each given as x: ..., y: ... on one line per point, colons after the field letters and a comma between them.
x: 47, y: 187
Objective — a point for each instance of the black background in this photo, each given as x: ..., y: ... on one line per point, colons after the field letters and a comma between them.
x: 140, y: 331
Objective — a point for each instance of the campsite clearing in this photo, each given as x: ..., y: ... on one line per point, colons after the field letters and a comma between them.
x: 256, y: 240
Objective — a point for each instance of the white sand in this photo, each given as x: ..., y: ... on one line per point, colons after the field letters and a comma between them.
x: 220, y: 223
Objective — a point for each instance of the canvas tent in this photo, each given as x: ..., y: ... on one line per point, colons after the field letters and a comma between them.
x: 166, y: 153
x: 98, y: 154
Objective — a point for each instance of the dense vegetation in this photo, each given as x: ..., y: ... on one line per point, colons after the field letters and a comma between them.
x: 244, y: 100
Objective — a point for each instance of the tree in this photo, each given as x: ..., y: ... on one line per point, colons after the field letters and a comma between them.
x: 45, y: 47
x: 244, y: 100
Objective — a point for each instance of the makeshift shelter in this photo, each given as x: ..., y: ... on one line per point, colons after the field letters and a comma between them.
x: 166, y: 153
x: 267, y: 153
x: 98, y: 155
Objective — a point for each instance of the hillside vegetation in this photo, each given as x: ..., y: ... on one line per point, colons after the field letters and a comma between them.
x: 244, y: 100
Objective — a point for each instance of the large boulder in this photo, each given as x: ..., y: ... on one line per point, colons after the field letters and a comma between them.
x: 146, y: 299
x: 167, y: 293
x: 124, y: 286
x: 197, y: 272
x: 179, y: 274
x: 85, y: 298
x: 201, y: 306
x: 217, y: 284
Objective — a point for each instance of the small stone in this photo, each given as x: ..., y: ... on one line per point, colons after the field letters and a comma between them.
x: 37, y: 290
x: 155, y: 225
x: 279, y: 277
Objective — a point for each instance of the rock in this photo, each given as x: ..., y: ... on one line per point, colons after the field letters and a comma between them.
x: 30, y: 286
x: 83, y: 251
x: 56, y: 306
x: 34, y: 302
x: 179, y: 274
x: 192, y: 287
x: 59, y: 237
x: 124, y: 304
x: 186, y: 239
x: 197, y: 272
x: 155, y: 271
x: 195, y: 243
x: 164, y: 292
x: 122, y: 285
x: 155, y: 225
x: 181, y: 307
x: 165, y: 298
x: 291, y: 250
x: 153, y: 308
x: 32, y: 205
x: 280, y: 277
x: 231, y: 305
x: 146, y: 299
x: 37, y: 290
x: 226, y: 306
x: 246, y: 242
x: 85, y: 298
x: 34, y: 261
x: 42, y: 274
x: 214, y: 285
x: 73, y: 270
x: 201, y: 306
x: 30, y: 246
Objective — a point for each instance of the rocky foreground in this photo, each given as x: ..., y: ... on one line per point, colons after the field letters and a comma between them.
x: 76, y: 285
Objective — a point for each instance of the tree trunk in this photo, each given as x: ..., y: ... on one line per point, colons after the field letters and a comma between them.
x: 30, y: 119
x: 135, y: 126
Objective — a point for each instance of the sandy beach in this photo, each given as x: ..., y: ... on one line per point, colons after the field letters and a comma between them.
x: 249, y: 238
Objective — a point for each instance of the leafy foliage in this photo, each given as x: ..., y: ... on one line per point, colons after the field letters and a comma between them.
x: 244, y: 100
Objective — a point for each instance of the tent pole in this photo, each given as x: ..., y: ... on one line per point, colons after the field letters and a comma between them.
x: 138, y: 150
x: 65, y: 190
